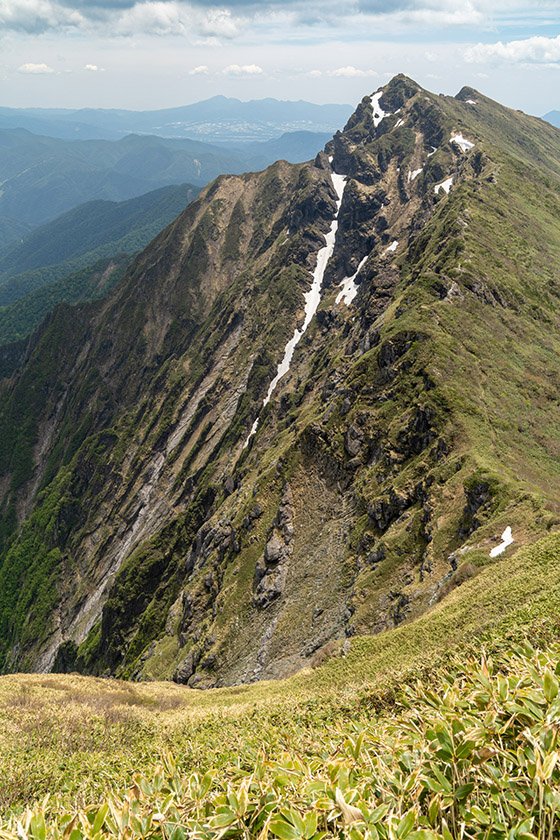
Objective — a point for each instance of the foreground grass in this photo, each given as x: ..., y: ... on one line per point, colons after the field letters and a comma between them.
x: 415, y: 722
x: 475, y: 755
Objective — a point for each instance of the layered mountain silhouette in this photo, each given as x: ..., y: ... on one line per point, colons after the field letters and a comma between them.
x: 43, y: 177
x: 319, y: 400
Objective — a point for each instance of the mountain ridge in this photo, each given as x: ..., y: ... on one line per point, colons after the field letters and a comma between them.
x: 385, y: 465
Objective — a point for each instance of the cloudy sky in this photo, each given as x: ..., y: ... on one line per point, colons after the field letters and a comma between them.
x: 161, y: 53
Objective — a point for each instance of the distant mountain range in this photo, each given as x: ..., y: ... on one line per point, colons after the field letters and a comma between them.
x: 21, y: 317
x: 43, y: 177
x: 216, y: 120
x: 66, y: 203
x: 91, y: 231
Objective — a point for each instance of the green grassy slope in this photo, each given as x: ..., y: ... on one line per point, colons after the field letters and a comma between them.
x: 426, y: 728
x: 424, y: 714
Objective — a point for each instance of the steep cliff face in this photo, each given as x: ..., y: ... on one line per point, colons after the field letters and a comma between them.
x: 165, y: 511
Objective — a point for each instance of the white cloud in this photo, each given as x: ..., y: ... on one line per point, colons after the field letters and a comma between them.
x: 315, y: 74
x: 159, y: 18
x: 350, y: 72
x: 208, y: 18
x: 115, y: 18
x: 93, y: 67
x: 220, y: 23
x: 36, y: 16
x: 207, y: 42
x: 535, y: 50
x: 37, y: 69
x: 201, y: 70
x: 242, y: 70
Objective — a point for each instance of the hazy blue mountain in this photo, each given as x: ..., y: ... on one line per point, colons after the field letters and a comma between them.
x: 294, y: 146
x: 21, y: 317
x: 11, y: 230
x: 118, y: 225
x: 553, y: 117
x: 219, y: 119
x: 44, y: 176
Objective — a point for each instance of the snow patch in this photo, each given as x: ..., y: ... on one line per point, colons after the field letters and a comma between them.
x: 312, y: 297
x: 434, y: 150
x: 399, y: 123
x: 507, y: 539
x: 392, y: 247
x: 414, y: 174
x: 378, y: 112
x: 471, y: 101
x: 349, y: 290
x: 445, y: 185
x: 462, y: 142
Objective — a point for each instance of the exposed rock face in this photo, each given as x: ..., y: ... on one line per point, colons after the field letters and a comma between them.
x: 271, y: 569
x: 145, y: 533
x: 479, y: 498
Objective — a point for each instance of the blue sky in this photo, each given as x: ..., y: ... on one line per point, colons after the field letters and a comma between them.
x: 162, y: 53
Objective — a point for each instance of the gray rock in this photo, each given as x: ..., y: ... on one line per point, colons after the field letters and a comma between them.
x: 271, y: 587
x: 353, y: 440
x: 275, y: 550
x: 185, y: 669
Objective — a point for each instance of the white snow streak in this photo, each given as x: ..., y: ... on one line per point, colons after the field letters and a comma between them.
x: 445, y: 185
x: 507, y: 539
x: 349, y: 290
x: 399, y: 123
x: 434, y: 150
x: 392, y: 247
x: 463, y: 144
x: 414, y: 174
x: 312, y: 297
x: 471, y: 101
x: 378, y: 112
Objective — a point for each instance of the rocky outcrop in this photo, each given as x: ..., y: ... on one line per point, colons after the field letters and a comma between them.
x: 479, y: 502
x: 271, y: 569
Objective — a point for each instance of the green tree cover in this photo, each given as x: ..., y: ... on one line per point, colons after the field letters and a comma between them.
x: 20, y: 318
x: 85, y: 235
